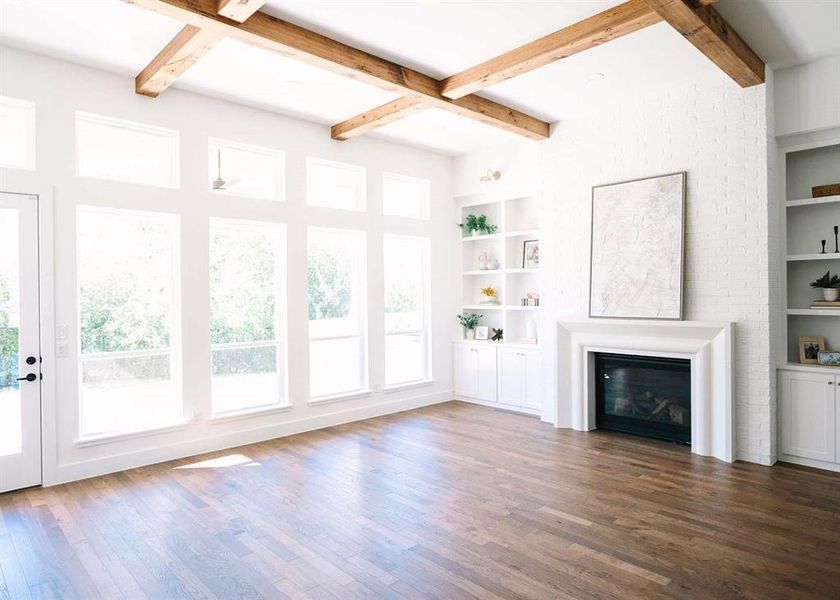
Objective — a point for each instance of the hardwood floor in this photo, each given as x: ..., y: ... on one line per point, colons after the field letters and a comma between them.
x: 450, y: 501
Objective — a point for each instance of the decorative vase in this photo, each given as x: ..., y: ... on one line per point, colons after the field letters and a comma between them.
x: 469, y: 334
x: 492, y: 264
x: 830, y: 294
x: 475, y: 232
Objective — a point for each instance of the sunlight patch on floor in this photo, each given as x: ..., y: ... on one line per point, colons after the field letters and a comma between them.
x: 231, y: 460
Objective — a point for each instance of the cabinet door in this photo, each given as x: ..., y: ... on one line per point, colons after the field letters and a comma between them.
x: 532, y: 380
x: 486, y: 380
x: 465, y: 370
x: 511, y: 372
x: 808, y: 419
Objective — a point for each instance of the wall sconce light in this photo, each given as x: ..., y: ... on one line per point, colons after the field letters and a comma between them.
x: 491, y: 175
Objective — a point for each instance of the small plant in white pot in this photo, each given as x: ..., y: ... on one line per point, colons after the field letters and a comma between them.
x: 829, y: 284
x: 477, y: 225
x: 469, y: 322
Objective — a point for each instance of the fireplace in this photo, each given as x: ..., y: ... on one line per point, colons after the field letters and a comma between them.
x: 643, y: 395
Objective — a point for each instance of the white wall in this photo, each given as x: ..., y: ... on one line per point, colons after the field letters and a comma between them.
x: 719, y: 135
x: 59, y: 89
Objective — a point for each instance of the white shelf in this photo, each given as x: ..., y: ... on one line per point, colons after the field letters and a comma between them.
x: 520, y: 307
x: 489, y: 198
x: 483, y: 306
x: 523, y: 233
x: 817, y: 256
x: 820, y: 312
x: 503, y: 344
x: 810, y: 368
x: 812, y: 201
x: 520, y: 270
x: 474, y: 238
x: 484, y: 272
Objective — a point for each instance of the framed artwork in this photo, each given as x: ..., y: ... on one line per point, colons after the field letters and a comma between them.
x: 829, y: 358
x: 636, y: 264
x: 530, y: 254
x: 810, y: 348
x: 482, y: 332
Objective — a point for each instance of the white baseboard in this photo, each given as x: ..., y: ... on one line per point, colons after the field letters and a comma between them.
x: 809, y: 462
x: 67, y: 472
x: 517, y: 409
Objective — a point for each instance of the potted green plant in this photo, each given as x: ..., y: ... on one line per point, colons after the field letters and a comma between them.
x: 477, y: 225
x: 829, y: 284
x: 469, y: 322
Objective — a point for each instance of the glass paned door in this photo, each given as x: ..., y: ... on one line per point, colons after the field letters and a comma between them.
x: 20, y: 360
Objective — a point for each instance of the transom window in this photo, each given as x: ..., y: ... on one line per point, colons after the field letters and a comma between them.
x: 248, y: 171
x: 404, y: 196
x: 118, y: 150
x: 335, y: 185
x: 17, y: 133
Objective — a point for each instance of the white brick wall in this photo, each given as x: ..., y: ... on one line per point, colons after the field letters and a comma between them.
x: 719, y: 135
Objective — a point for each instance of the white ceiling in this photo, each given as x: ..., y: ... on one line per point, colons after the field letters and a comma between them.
x: 436, y: 37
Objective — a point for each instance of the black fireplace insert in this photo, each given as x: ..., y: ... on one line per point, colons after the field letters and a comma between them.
x: 644, y: 395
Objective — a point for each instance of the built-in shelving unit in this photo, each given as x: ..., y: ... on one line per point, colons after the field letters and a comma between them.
x: 807, y: 222
x: 517, y: 220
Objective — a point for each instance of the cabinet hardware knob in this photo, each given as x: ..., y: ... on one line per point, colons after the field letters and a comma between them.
x: 830, y: 383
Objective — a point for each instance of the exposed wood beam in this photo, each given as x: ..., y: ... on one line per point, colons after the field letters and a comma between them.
x: 596, y: 30
x: 180, y: 54
x: 239, y: 10
x: 377, y: 117
x: 702, y: 25
x: 295, y: 42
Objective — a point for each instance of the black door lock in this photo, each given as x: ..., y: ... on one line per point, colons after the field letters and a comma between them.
x: 31, y: 360
x: 29, y: 377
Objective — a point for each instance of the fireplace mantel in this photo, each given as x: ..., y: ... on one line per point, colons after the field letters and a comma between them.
x: 708, y: 345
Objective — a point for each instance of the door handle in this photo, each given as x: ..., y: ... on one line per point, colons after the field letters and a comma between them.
x: 29, y: 377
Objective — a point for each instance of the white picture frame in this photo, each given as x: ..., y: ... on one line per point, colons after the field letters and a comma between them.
x: 482, y: 332
x: 637, y: 248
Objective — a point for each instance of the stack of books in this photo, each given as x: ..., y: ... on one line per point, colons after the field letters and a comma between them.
x: 825, y: 304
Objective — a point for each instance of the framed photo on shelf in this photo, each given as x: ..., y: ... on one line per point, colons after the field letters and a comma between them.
x: 530, y: 254
x: 810, y: 348
x: 482, y: 332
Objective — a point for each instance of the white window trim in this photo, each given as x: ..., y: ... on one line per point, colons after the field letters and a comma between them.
x: 428, y: 375
x: 427, y: 199
x: 280, y: 323
x: 175, y: 358
x: 173, y: 134
x: 30, y: 162
x: 279, y: 157
x: 361, y: 190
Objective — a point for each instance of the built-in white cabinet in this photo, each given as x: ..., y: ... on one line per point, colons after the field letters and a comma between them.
x: 475, y: 371
x: 509, y: 376
x: 809, y: 405
x: 519, y: 378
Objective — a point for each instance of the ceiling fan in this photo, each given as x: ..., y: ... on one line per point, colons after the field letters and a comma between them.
x: 219, y: 183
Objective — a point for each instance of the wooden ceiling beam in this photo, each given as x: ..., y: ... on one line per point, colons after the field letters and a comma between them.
x: 377, y: 117
x: 180, y: 54
x: 703, y: 26
x: 239, y: 10
x: 292, y: 41
x: 598, y: 29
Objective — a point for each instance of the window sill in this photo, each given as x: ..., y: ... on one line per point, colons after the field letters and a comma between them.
x: 106, y: 438
x: 250, y: 412
x: 409, y: 385
x: 339, y: 397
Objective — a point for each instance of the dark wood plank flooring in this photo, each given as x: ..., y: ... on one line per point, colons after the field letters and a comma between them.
x: 450, y: 501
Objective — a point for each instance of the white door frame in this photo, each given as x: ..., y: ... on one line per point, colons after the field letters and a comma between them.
x: 46, y: 298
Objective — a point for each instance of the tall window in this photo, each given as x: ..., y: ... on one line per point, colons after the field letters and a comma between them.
x: 406, y: 309
x: 129, y: 320
x: 249, y: 171
x: 120, y: 150
x: 17, y: 133
x: 337, y: 307
x: 247, y: 315
x: 405, y: 196
x: 334, y: 184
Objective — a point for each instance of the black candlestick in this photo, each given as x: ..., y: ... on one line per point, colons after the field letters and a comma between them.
x: 823, y: 247
x: 836, y: 247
